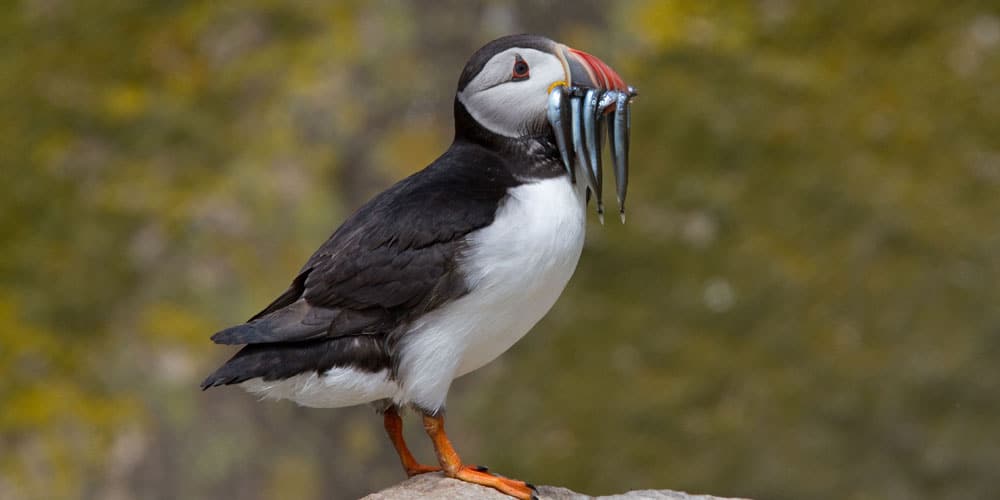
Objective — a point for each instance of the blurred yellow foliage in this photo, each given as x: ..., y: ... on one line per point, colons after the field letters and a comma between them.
x: 802, y: 305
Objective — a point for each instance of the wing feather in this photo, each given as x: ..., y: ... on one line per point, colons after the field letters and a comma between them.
x: 396, y: 257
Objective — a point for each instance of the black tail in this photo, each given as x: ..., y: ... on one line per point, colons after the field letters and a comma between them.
x: 246, y: 333
x: 284, y: 360
x: 297, y: 322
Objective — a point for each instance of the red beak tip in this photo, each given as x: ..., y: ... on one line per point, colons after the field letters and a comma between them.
x: 603, y: 74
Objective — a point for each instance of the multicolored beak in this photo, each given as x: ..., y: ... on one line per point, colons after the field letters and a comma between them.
x: 594, y: 101
x: 590, y: 72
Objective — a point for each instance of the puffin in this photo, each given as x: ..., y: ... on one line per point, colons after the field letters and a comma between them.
x: 445, y: 270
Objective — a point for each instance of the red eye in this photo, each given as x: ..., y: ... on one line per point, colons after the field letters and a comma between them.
x: 520, y: 71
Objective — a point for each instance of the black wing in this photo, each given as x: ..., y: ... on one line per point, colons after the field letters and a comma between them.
x: 393, y: 259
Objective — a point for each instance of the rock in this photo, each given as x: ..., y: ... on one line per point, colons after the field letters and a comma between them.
x: 437, y: 486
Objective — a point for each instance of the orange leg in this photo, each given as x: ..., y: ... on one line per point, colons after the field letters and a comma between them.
x: 394, y: 428
x: 452, y: 464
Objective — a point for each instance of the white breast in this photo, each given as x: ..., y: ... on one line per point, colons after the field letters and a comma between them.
x: 516, y: 269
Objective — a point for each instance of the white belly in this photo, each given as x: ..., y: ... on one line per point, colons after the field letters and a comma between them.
x: 516, y: 269
x: 334, y: 388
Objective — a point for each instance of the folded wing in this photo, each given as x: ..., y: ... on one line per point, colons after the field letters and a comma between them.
x: 396, y: 258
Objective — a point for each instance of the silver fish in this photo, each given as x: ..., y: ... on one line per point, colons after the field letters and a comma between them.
x: 592, y: 124
x: 580, y: 147
x: 559, y: 117
x: 620, y: 132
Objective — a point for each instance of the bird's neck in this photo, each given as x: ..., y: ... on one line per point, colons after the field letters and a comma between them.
x: 528, y: 157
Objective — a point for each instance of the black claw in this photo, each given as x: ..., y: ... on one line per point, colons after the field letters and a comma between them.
x: 531, y: 486
x: 480, y: 468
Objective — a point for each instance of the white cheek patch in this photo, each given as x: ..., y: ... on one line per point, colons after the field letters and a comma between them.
x: 508, y: 107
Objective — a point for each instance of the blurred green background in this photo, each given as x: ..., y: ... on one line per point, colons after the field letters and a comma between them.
x: 803, y: 304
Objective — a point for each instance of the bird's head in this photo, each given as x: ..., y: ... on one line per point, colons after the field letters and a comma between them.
x: 506, y: 84
x: 526, y: 86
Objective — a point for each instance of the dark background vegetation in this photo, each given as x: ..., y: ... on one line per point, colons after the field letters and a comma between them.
x: 803, y: 303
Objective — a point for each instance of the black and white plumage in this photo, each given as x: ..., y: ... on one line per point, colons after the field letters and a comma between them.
x: 368, y: 296
x: 444, y: 271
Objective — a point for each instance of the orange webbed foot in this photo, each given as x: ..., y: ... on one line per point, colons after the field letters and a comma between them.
x: 513, y: 487
x: 417, y: 469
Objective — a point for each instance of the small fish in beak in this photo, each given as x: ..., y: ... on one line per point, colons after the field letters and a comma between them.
x: 593, y: 134
x: 621, y: 127
x: 579, y: 113
x: 560, y: 118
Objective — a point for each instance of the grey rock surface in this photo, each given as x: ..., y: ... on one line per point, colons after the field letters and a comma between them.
x: 436, y: 486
